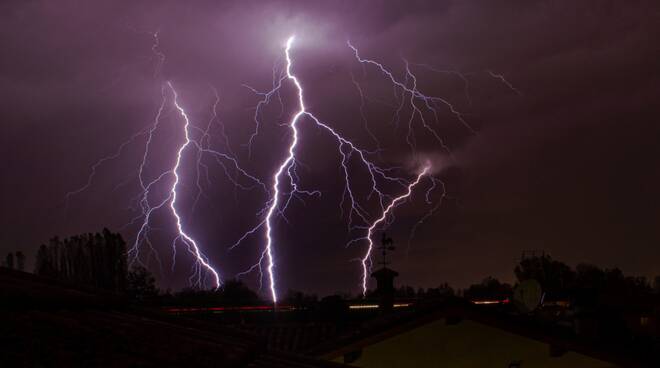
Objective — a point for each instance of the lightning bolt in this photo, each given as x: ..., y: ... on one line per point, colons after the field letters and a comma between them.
x: 202, y: 147
x: 366, y: 260
x: 148, y: 206
x: 283, y: 166
x: 148, y: 210
x: 190, y: 242
x: 283, y: 185
x: 347, y: 150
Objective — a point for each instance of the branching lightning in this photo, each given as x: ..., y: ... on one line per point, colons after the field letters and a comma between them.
x: 347, y: 150
x: 146, y: 205
x: 423, y: 114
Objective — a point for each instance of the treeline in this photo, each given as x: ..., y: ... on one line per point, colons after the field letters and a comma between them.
x: 231, y: 292
x: 490, y: 288
x: 15, y: 261
x: 558, y: 279
x: 95, y: 260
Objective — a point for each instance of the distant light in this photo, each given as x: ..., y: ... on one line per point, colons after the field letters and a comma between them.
x: 363, y: 306
x: 490, y: 301
x: 375, y: 306
x: 247, y: 308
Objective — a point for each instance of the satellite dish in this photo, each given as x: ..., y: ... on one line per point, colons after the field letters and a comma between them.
x: 527, y: 295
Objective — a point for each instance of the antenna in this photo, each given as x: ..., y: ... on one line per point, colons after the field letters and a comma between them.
x: 386, y: 243
x: 531, y: 253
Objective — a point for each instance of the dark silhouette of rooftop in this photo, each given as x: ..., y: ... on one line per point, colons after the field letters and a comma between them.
x: 49, y: 323
x: 385, y: 276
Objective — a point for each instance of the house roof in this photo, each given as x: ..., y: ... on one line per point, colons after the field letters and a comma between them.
x: 47, y: 323
x: 389, y: 325
x: 384, y: 272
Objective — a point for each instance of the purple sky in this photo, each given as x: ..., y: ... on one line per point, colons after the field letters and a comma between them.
x: 570, y: 166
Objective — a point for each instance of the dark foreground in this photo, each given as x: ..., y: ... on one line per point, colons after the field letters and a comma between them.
x: 44, y: 323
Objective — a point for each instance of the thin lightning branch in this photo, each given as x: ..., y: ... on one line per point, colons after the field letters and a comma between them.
x: 160, y: 56
x: 266, y: 97
x: 100, y: 162
x: 362, y: 112
x: 203, y: 145
x: 461, y: 76
x: 429, y: 102
x: 464, y: 78
x: 204, y: 141
x: 506, y: 82
x: 431, y: 212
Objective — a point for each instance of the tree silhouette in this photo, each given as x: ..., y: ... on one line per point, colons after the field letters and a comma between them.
x: 9, y: 260
x: 232, y: 292
x: 97, y: 260
x: 656, y: 284
x: 553, y: 275
x: 489, y: 288
x: 141, y: 283
x: 236, y: 292
x: 20, y: 261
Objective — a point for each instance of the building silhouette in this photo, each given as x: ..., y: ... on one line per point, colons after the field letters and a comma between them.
x: 385, y: 276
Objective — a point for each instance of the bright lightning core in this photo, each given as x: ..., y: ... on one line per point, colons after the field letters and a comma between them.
x: 190, y: 242
x: 286, y: 168
x: 283, y: 166
x: 147, y: 210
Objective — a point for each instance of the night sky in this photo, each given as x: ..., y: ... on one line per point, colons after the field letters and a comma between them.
x: 566, y: 161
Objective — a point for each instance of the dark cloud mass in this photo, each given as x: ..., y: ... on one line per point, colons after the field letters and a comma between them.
x: 569, y: 165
